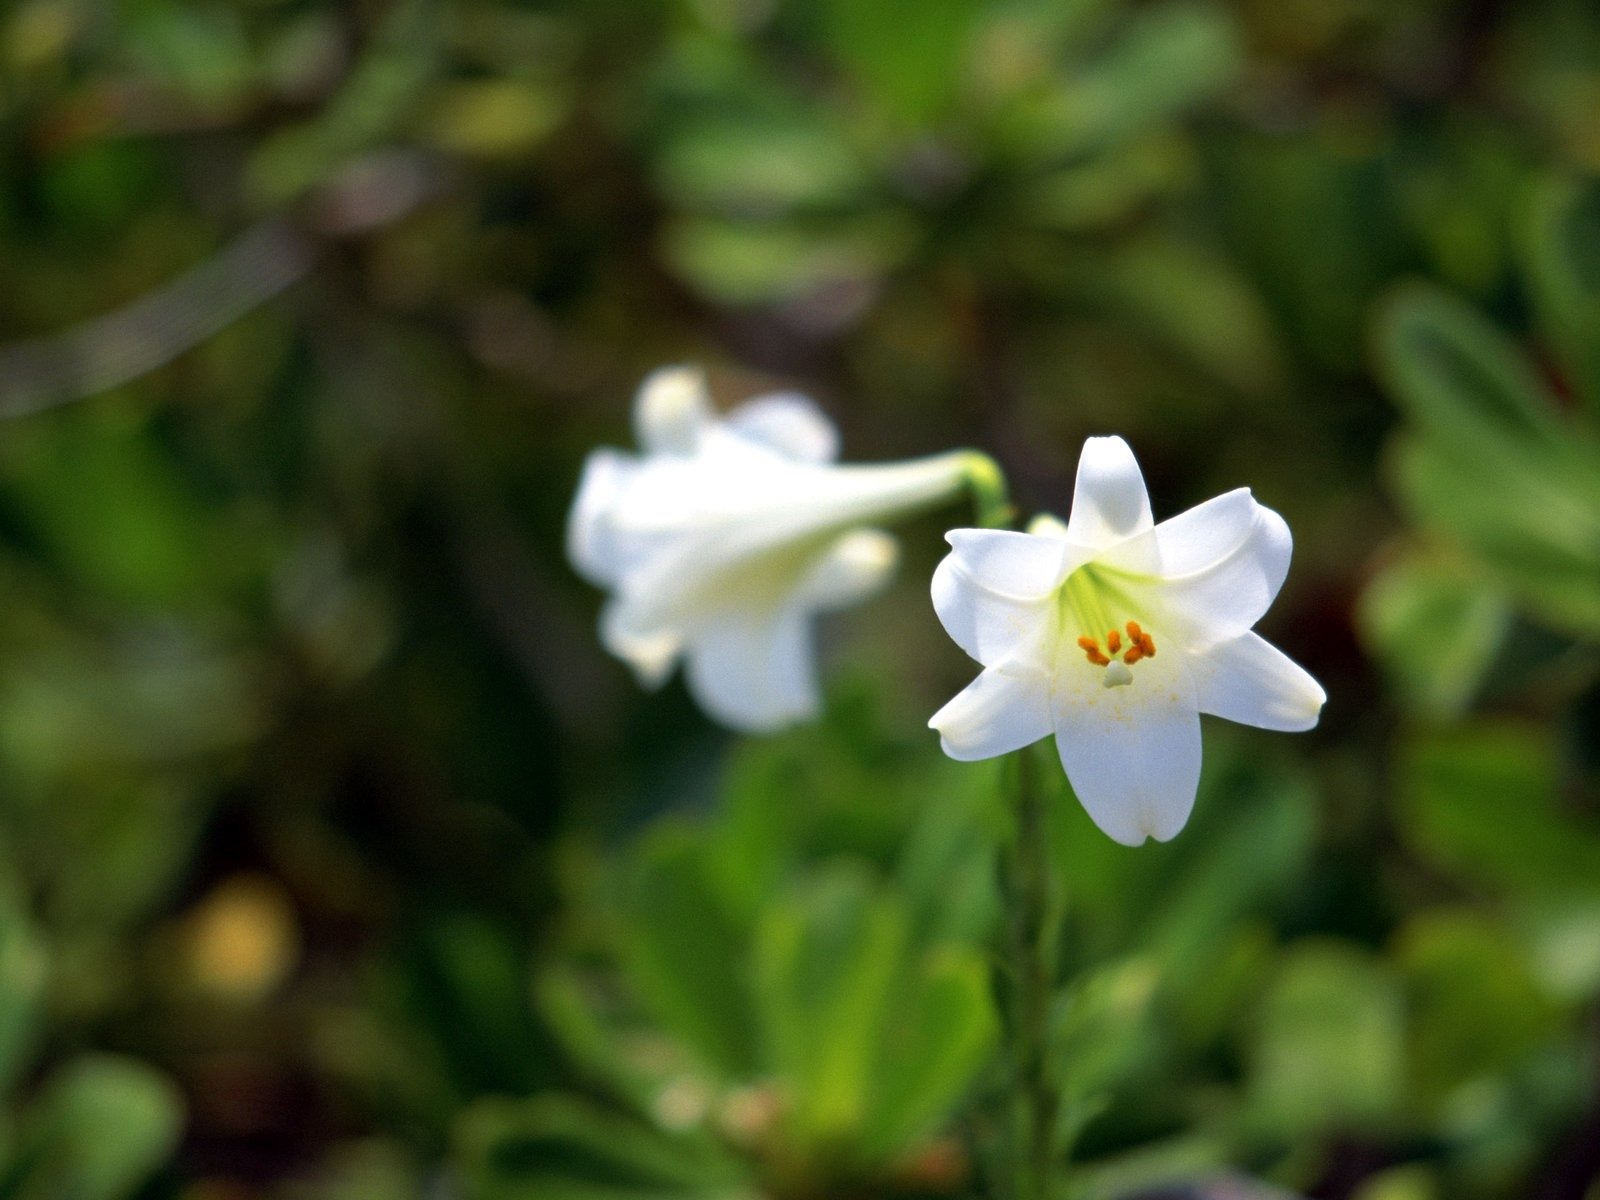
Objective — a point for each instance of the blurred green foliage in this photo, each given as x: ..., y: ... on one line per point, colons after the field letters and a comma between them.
x: 338, y: 863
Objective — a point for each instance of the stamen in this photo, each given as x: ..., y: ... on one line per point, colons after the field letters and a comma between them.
x: 1140, y: 645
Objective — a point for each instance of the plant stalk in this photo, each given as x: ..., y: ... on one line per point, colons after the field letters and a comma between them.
x: 1033, y: 925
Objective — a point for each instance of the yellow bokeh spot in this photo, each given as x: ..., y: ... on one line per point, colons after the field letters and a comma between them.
x: 242, y: 941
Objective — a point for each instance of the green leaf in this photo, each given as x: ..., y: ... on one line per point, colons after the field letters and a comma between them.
x: 1327, y: 1048
x: 1482, y: 801
x: 1535, y: 528
x: 375, y: 100
x: 934, y: 1042
x: 199, y: 51
x: 685, y: 953
x: 1105, y: 1028
x: 1105, y: 189
x: 577, y: 1018
x: 552, y: 1146
x: 1474, y: 1008
x: 98, y: 1130
x: 1199, y: 303
x: 1252, y: 833
x: 746, y: 166
x: 1435, y: 624
x: 463, y: 980
x: 1259, y: 831
x: 1561, y: 250
x: 907, y: 53
x: 106, y: 503
x: 1492, y: 465
x: 765, y: 262
x: 1460, y: 380
x: 828, y: 966
x: 1165, y: 61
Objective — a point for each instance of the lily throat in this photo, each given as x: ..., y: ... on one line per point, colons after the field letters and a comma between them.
x: 1086, y: 604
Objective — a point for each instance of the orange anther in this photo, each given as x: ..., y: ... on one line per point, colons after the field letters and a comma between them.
x: 1134, y: 631
x: 1133, y: 655
x: 1147, y: 644
x: 1114, y: 641
x: 1088, y: 643
x: 1097, y: 658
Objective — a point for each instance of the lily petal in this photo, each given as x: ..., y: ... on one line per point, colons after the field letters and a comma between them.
x: 1109, y: 503
x: 789, y: 423
x: 857, y: 566
x: 673, y: 409
x: 754, y: 671
x: 989, y: 626
x: 772, y: 546
x: 1022, y: 566
x: 1003, y: 709
x: 993, y: 590
x: 592, y: 542
x: 1251, y: 681
x: 651, y: 650
x: 1132, y: 754
x: 1222, y: 563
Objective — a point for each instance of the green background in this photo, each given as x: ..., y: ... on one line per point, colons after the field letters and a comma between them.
x: 338, y: 862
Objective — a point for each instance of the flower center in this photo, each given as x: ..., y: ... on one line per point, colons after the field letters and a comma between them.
x: 1115, y: 658
x: 1087, y: 600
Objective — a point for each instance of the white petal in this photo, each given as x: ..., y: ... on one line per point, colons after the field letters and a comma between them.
x: 989, y: 626
x: 592, y: 544
x: 1251, y: 681
x: 1218, y: 567
x: 994, y: 592
x: 1003, y: 709
x: 672, y: 410
x: 855, y: 567
x: 762, y: 549
x: 1132, y: 754
x: 1221, y: 565
x: 754, y: 672
x: 1208, y: 533
x: 1021, y: 565
x: 651, y: 650
x: 1109, y: 502
x: 789, y: 423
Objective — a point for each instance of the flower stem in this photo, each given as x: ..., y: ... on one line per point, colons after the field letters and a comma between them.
x: 1033, y: 917
x: 990, y: 499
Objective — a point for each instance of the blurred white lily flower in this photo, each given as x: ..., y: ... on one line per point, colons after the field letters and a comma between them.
x: 1115, y: 634
x: 723, y: 540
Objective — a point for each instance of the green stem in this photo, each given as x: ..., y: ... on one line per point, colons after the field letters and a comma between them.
x: 1033, y: 925
x: 990, y: 500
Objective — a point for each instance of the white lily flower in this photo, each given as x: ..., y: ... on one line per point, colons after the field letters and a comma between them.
x: 723, y: 540
x: 1115, y: 634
